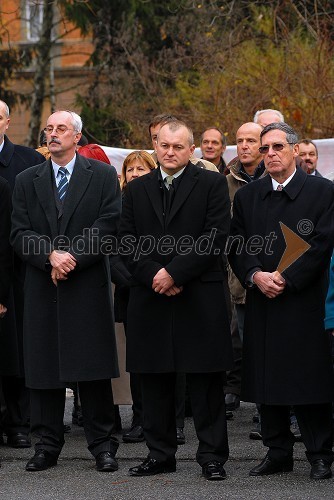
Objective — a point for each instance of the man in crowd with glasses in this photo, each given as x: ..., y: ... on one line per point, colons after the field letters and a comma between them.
x: 286, y: 212
x: 63, y: 210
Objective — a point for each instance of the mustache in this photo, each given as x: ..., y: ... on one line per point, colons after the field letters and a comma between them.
x: 55, y: 140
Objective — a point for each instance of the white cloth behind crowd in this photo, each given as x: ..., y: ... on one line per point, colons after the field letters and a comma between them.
x: 325, y: 162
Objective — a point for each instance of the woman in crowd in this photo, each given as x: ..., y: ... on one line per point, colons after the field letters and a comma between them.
x: 135, y: 165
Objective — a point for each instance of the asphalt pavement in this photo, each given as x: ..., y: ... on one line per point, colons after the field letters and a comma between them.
x: 75, y: 476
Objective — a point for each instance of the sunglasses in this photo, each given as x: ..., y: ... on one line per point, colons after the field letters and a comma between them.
x: 277, y: 146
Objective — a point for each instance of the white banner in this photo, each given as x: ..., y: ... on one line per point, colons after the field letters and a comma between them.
x: 325, y: 162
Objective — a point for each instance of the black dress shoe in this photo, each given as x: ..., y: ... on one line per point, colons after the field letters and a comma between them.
x: 135, y: 435
x: 268, y: 466
x: 320, y: 470
x: 42, y: 460
x: 106, y: 462
x: 214, y: 471
x: 180, y: 437
x: 18, y: 440
x: 232, y: 402
x: 150, y: 467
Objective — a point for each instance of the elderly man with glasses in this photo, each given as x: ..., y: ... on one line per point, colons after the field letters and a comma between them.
x: 282, y: 241
x: 63, y: 211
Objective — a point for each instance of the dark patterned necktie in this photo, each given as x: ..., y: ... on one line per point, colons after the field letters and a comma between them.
x: 63, y: 183
x: 280, y: 187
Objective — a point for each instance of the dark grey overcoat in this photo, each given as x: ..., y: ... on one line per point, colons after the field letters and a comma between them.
x: 68, y: 329
x: 286, y: 357
x: 188, y: 332
x: 14, y: 159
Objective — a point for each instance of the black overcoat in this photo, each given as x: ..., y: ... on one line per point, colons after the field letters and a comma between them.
x: 188, y: 332
x: 68, y: 329
x: 286, y: 350
x: 5, y: 248
x: 14, y: 158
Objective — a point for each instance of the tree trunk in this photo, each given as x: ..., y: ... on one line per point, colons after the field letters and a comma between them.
x: 42, y: 64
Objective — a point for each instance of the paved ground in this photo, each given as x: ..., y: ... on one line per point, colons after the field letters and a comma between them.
x: 75, y: 477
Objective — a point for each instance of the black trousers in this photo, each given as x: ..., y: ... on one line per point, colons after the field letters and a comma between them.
x: 16, y: 397
x: 137, y: 406
x: 47, y: 413
x: 233, y: 377
x: 208, y: 406
x: 316, y: 428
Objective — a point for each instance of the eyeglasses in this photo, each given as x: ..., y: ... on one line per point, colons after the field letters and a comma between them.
x: 60, y: 130
x: 277, y: 146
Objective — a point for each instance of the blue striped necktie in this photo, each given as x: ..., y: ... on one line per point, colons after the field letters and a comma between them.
x: 63, y: 183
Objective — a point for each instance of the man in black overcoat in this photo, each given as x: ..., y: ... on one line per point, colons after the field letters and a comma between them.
x: 286, y: 350
x: 64, y: 211
x: 5, y: 250
x: 177, y: 318
x: 14, y: 159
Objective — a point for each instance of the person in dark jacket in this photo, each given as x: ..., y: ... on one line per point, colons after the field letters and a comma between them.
x: 65, y: 211
x: 177, y: 316
x: 6, y: 262
x: 13, y: 160
x: 284, y: 224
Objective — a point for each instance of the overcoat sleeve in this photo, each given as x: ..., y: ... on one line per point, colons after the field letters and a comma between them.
x: 24, y: 240
x: 242, y: 262
x: 315, y: 261
x: 100, y: 238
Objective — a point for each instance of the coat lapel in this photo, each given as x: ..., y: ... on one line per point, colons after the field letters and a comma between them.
x: 153, y: 189
x: 190, y: 177
x: 43, y: 187
x: 79, y: 182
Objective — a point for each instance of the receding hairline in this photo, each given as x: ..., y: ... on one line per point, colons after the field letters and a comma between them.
x: 175, y: 125
x: 76, y: 119
x: 221, y: 133
x: 254, y: 126
x: 6, y: 107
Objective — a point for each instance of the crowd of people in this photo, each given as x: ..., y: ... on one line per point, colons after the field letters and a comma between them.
x: 221, y: 274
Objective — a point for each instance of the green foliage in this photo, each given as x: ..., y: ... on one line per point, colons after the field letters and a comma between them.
x: 100, y: 125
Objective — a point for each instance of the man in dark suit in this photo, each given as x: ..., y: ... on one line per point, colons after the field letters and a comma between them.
x: 64, y: 211
x: 177, y: 317
x: 286, y: 357
x: 13, y: 160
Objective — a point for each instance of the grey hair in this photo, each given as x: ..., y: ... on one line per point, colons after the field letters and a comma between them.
x: 76, y: 119
x: 6, y: 108
x: 291, y: 135
x: 175, y: 125
x: 260, y: 111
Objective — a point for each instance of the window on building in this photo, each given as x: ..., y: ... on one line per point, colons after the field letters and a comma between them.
x: 34, y: 16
